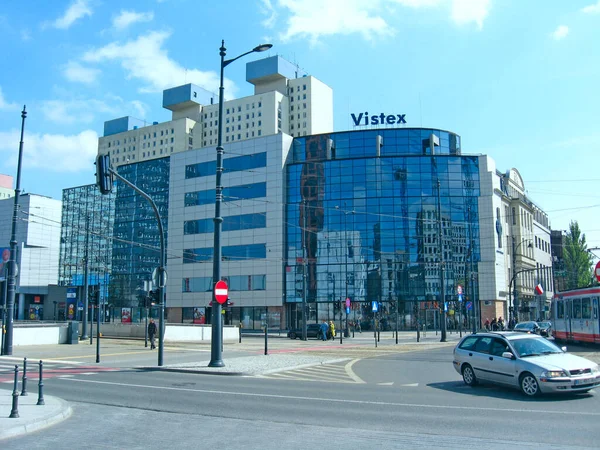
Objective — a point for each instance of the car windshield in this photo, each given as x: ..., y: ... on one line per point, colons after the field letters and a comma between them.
x: 524, y: 326
x: 544, y: 324
x: 534, y: 347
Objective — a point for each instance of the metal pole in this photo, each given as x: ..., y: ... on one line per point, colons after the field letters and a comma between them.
x: 304, y: 274
x: 98, y: 329
x: 441, y: 262
x: 4, y: 295
x: 24, y: 388
x: 41, y: 386
x: 397, y: 314
x: 14, y: 413
x: 12, y: 263
x: 86, y: 286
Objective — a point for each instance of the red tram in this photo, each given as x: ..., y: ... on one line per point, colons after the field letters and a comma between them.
x: 575, y: 315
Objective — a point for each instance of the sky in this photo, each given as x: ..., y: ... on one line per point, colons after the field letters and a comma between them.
x: 517, y: 80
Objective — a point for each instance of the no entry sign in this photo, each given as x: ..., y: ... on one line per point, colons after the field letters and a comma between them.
x: 221, y: 292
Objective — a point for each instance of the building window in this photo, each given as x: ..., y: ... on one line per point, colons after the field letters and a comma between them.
x: 303, y: 87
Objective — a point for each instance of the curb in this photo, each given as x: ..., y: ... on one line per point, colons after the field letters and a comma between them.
x: 38, y: 424
x: 198, y: 371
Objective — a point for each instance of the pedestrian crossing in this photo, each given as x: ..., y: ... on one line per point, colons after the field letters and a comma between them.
x: 50, y: 369
x: 327, y: 373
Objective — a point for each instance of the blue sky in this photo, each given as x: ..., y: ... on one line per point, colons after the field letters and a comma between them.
x: 518, y: 80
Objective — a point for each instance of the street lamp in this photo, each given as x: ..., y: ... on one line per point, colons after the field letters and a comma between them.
x: 12, y: 263
x: 346, y: 247
x: 216, y: 358
x: 515, y: 301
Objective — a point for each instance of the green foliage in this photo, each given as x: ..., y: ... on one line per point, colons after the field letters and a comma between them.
x: 578, y: 261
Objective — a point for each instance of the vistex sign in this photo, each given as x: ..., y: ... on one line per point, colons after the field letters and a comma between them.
x: 382, y: 119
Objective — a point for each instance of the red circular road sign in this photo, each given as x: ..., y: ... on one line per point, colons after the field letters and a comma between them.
x: 221, y: 292
x: 597, y: 271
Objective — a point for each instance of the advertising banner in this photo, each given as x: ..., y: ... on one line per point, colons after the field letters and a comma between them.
x: 199, y: 315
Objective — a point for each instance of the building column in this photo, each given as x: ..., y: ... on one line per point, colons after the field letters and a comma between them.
x: 21, y: 308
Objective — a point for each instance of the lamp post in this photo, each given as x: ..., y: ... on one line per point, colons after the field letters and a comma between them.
x: 441, y: 262
x: 216, y: 359
x: 514, y: 301
x: 346, y: 247
x: 12, y: 263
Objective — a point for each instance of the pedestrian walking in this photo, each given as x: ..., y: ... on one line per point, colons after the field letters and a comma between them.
x: 324, y: 330
x: 152, y: 333
x: 332, y: 329
x: 357, y: 326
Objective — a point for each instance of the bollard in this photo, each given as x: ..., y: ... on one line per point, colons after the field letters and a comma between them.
x: 41, y: 386
x: 14, y: 413
x: 266, y: 339
x: 241, y: 332
x: 24, y: 390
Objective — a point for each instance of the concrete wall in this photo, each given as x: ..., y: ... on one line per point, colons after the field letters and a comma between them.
x: 57, y: 333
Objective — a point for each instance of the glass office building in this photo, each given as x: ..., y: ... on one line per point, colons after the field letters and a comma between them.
x: 373, y: 205
x: 85, y: 246
x: 136, y: 242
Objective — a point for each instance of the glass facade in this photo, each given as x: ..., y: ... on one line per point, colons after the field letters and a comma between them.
x: 87, y: 218
x: 364, y: 222
x: 136, y: 243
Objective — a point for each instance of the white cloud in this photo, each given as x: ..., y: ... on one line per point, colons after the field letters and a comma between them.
x: 72, y: 111
x: 317, y: 18
x: 127, y: 18
x: 25, y: 35
x: 592, y: 9
x: 145, y: 59
x: 268, y: 10
x: 74, y: 71
x: 77, y: 10
x: 560, y: 32
x: 467, y: 11
x: 314, y: 19
x: 53, y: 152
x: 5, y: 106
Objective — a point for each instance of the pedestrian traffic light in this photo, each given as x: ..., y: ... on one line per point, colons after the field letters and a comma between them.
x: 104, y: 176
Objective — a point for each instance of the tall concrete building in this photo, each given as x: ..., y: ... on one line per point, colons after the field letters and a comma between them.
x: 286, y: 100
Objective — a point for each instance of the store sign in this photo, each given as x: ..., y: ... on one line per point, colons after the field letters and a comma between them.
x: 382, y: 119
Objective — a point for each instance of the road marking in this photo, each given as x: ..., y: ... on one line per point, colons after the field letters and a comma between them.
x: 337, y: 400
x: 351, y: 373
x: 386, y: 384
x: 410, y: 385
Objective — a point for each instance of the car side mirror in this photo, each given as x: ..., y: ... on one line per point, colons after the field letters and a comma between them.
x: 508, y: 355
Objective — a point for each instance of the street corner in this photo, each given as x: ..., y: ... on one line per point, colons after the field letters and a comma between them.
x: 31, y: 416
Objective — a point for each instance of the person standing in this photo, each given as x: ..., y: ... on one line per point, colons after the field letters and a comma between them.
x: 152, y: 333
x: 332, y: 329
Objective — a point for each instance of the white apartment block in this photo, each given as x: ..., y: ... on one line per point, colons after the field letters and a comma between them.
x: 38, y: 248
x: 285, y: 100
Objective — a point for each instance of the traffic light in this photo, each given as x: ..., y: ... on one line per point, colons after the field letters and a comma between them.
x: 104, y: 176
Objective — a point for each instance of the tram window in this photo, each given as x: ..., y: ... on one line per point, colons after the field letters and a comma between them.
x: 560, y: 309
x: 586, y: 309
x: 577, y: 308
x: 595, y: 307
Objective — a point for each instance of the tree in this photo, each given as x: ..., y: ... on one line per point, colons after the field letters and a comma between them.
x: 578, y: 261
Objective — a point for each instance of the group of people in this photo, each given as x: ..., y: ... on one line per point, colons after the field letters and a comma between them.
x: 327, y: 330
x: 494, y: 325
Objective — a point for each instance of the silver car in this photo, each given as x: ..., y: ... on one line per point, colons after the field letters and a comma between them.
x: 525, y: 361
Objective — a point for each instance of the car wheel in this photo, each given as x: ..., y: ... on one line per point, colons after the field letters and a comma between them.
x: 293, y: 336
x: 529, y: 385
x: 469, y: 375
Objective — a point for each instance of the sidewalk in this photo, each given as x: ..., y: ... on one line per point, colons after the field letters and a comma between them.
x: 32, y: 417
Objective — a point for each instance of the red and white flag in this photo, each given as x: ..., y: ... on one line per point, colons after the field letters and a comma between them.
x: 539, y: 290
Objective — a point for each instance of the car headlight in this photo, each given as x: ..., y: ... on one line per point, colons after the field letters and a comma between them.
x: 554, y: 374
x: 596, y: 370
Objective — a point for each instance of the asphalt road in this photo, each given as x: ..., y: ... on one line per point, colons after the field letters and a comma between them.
x: 394, y: 400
